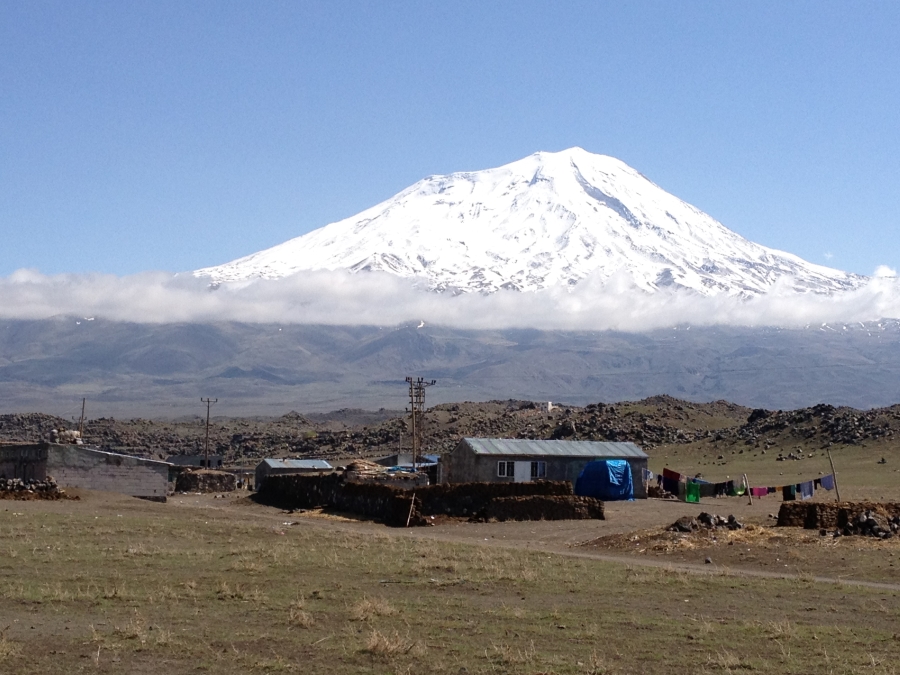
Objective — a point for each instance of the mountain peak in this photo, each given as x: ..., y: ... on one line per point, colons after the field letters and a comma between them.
x: 550, y: 219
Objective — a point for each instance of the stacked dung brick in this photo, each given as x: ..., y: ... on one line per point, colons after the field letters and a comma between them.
x: 548, y: 500
x: 544, y: 507
x: 205, y: 480
x: 831, y: 515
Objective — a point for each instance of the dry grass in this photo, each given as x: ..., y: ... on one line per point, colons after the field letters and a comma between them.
x: 390, y: 645
x: 367, y: 608
x: 164, y: 589
x: 298, y: 616
x: 8, y: 648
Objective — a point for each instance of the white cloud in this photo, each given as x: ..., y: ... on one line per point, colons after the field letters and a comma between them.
x: 382, y: 299
x: 828, y: 255
x: 883, y: 271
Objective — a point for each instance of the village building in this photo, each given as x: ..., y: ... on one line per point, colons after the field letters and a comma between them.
x: 280, y: 467
x: 80, y: 466
x: 507, y: 460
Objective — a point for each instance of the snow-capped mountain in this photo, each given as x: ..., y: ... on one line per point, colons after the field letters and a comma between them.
x: 553, y: 218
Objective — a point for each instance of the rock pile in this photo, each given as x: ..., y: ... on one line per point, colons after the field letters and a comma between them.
x: 705, y: 521
x: 869, y: 524
x: 16, y: 488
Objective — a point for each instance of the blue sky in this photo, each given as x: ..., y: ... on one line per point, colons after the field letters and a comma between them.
x: 176, y: 135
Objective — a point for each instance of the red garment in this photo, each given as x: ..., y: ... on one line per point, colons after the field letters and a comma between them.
x: 674, y: 475
x: 759, y: 491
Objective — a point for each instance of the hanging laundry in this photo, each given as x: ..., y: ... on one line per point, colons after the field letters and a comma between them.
x: 789, y: 493
x: 692, y: 492
x: 674, y: 475
x: 708, y: 489
x: 759, y: 491
x: 670, y: 485
x: 806, y: 490
x: 817, y: 483
x: 828, y: 482
x: 771, y: 490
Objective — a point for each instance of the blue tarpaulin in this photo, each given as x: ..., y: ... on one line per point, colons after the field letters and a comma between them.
x: 606, y: 479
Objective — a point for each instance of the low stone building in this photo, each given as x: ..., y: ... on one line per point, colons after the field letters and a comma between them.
x: 280, y: 467
x: 80, y: 466
x: 506, y: 460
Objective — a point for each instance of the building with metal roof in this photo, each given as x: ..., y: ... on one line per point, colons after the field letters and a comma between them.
x: 271, y: 467
x: 483, y: 460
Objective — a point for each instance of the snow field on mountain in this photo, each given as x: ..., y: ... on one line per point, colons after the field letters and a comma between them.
x: 548, y: 220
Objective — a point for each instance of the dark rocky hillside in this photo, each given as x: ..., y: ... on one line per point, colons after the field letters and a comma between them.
x: 718, y: 429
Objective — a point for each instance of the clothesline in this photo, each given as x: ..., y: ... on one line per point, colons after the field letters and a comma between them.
x: 692, y: 489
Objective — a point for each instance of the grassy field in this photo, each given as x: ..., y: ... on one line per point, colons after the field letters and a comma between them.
x: 113, y: 585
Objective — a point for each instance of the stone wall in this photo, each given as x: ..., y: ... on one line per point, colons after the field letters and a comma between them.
x: 81, y: 467
x: 392, y: 505
x: 25, y: 461
x: 830, y: 515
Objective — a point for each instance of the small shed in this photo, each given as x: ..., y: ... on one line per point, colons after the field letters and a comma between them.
x: 508, y: 460
x: 280, y: 467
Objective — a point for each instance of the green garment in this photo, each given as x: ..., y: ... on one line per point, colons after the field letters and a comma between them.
x: 692, y: 492
x: 738, y: 491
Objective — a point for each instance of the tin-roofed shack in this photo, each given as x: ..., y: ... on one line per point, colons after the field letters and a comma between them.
x: 280, y: 467
x: 507, y: 460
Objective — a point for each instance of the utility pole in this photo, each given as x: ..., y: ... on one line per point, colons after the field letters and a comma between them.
x: 417, y: 410
x: 208, y: 402
x: 81, y: 423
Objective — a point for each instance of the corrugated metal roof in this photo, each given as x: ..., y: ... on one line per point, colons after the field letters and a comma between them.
x: 297, y: 463
x: 526, y: 447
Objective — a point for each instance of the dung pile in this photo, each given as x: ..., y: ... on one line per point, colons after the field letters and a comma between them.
x: 16, y: 488
x: 705, y: 521
x: 205, y: 480
x: 361, y: 471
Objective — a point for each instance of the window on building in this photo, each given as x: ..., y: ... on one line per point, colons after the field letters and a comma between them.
x: 506, y: 469
x: 539, y: 469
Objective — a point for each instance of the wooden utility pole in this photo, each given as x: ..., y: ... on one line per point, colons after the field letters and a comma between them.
x: 837, y: 491
x: 417, y: 411
x: 208, y: 402
x: 81, y: 423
